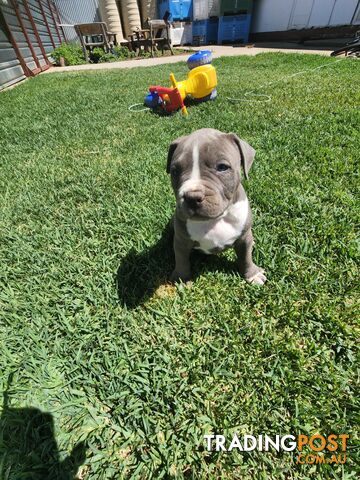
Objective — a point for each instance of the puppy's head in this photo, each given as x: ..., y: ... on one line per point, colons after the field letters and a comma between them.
x: 205, y: 171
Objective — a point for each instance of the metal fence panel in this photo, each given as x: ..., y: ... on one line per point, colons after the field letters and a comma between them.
x: 81, y: 11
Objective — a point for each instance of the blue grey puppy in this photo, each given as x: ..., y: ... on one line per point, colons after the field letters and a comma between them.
x: 212, y: 209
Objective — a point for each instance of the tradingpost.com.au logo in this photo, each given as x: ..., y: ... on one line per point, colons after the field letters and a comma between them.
x: 330, y: 449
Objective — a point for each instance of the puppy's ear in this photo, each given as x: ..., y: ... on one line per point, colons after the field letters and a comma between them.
x: 172, y: 148
x: 247, y: 153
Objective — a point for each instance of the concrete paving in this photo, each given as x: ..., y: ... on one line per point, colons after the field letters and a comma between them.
x: 217, y: 51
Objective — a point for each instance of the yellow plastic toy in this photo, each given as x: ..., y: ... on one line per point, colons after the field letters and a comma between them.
x: 200, y: 85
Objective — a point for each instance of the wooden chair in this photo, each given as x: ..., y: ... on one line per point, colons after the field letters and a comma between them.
x: 152, y: 36
x: 157, y: 28
x: 140, y: 39
x: 95, y: 35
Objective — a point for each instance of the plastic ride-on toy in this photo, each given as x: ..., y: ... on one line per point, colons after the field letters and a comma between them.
x: 200, y: 85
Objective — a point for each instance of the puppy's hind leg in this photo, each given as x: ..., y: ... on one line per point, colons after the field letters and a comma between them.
x: 243, y: 248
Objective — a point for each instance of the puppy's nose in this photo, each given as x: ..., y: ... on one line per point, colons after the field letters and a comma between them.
x: 194, y: 198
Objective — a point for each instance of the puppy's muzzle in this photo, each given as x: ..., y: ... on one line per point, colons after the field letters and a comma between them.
x: 193, y: 199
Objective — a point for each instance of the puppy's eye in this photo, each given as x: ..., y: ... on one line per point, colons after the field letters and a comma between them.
x: 222, y: 167
x: 175, y: 170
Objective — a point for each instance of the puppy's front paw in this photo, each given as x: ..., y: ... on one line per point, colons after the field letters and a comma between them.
x: 257, y: 278
x: 179, y: 276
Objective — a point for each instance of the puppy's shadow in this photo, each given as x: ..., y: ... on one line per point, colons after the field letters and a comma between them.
x: 140, y: 274
x: 188, y: 102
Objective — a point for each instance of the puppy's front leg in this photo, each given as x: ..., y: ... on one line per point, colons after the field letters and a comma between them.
x: 182, y: 261
x: 243, y: 248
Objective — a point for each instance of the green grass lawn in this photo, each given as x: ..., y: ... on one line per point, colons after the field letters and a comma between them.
x: 98, y: 354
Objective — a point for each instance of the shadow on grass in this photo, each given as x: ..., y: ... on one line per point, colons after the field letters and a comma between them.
x: 140, y: 274
x: 188, y: 102
x: 28, y: 449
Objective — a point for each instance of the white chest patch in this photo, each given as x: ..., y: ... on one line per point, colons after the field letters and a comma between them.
x: 220, y: 232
